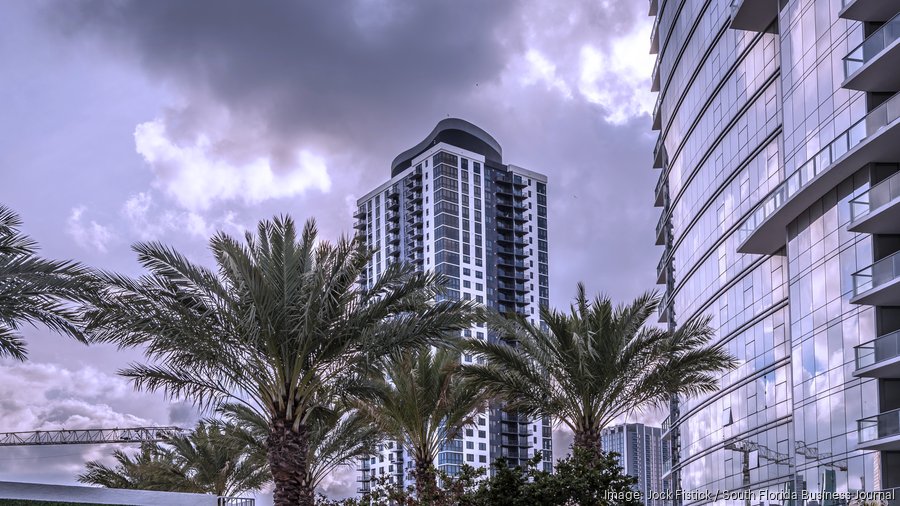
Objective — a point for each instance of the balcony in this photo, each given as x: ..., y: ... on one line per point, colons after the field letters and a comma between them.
x: 510, y: 299
x: 502, y: 250
x: 661, y: 229
x: 872, y: 65
x: 654, y: 8
x: 879, y: 432
x: 517, y: 287
x: 359, y: 224
x: 867, y: 10
x: 879, y: 283
x: 663, y: 309
x: 654, y: 77
x: 511, y: 238
x: 660, y: 190
x: 878, y: 210
x: 654, y: 36
x: 360, y: 213
x: 659, y: 154
x: 511, y: 274
x: 871, y: 139
x: 507, y: 262
x: 753, y: 15
x: 879, y: 358
x: 662, y: 269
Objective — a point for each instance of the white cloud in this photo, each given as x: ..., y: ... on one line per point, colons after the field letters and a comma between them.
x: 618, y: 78
x: 540, y: 69
x: 149, y: 222
x: 201, y: 169
x: 90, y: 235
x: 48, y: 396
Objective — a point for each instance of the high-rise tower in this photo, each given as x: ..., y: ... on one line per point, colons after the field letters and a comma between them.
x: 452, y: 206
x: 779, y: 147
x: 640, y: 454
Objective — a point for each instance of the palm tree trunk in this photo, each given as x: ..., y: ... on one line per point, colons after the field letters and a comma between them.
x: 426, y: 481
x: 287, y: 451
x: 589, y: 440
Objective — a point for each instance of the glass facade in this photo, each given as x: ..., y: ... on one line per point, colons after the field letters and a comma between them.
x: 769, y: 146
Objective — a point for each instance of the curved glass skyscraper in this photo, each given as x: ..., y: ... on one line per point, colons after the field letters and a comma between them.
x: 779, y: 147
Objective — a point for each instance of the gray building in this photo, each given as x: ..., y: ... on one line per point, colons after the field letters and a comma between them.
x: 778, y: 154
x: 453, y: 206
x: 640, y: 454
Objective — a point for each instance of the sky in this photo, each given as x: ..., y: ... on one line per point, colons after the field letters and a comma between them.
x: 128, y: 121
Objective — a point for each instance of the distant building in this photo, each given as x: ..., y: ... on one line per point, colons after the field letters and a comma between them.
x: 641, y: 455
x: 453, y: 206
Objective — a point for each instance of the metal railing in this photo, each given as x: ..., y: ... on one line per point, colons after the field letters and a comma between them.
x: 663, y: 263
x: 877, y: 196
x: 872, y: 46
x: 883, y: 271
x: 878, y: 350
x: 236, y: 501
x: 878, y: 118
x: 880, y: 426
x: 660, y: 184
x: 660, y: 225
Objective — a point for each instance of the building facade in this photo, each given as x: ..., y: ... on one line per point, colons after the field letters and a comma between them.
x: 452, y: 206
x: 641, y: 455
x: 778, y: 148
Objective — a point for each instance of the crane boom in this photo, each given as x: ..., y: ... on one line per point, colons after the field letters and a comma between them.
x: 89, y: 436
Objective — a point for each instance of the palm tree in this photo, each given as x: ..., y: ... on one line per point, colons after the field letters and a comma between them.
x: 282, y: 327
x: 203, y: 462
x: 35, y: 290
x: 596, y: 363
x: 150, y: 469
x: 212, y: 465
x: 334, y: 440
x: 423, y: 402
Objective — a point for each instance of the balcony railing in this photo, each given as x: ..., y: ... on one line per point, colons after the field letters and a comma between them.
x: 881, y: 272
x: 877, y: 196
x: 662, y: 269
x: 658, y: 153
x: 236, y: 501
x: 658, y: 192
x: 881, y: 426
x: 663, y: 309
x: 661, y: 228
x: 882, y: 348
x: 883, y: 115
x: 872, y: 46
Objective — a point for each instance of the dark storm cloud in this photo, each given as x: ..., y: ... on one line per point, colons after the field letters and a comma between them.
x: 306, y: 69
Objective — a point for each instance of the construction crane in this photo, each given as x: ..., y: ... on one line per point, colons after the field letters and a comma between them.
x: 89, y: 436
x: 813, y: 453
x: 745, y: 447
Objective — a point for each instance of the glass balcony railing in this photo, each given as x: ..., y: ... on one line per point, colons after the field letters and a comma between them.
x: 662, y: 266
x: 881, y: 116
x: 658, y: 153
x: 661, y: 227
x: 881, y: 272
x: 880, y: 426
x: 660, y: 184
x: 877, y: 196
x: 882, y: 348
x: 663, y: 308
x: 872, y: 46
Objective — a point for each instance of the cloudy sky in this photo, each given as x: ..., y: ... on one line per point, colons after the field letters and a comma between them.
x: 126, y: 121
